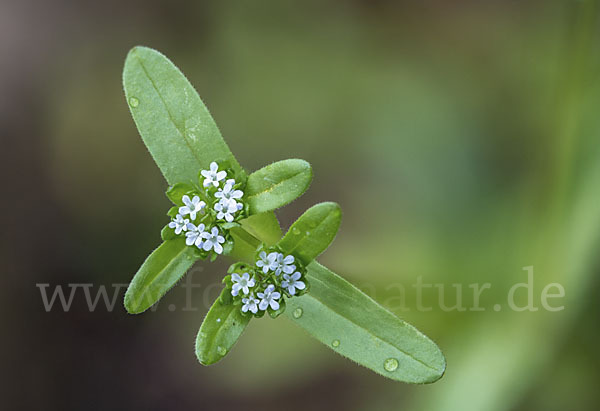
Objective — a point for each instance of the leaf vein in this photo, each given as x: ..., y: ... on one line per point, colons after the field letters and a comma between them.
x: 312, y: 278
x: 272, y: 187
x: 178, y: 127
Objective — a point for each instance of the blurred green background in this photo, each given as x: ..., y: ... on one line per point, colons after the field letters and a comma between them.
x: 460, y: 138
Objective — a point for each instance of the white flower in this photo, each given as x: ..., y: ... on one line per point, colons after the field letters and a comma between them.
x: 213, y: 240
x: 179, y: 224
x: 269, y: 298
x: 228, y: 193
x: 225, y: 210
x: 250, y: 303
x: 281, y: 263
x: 194, y: 235
x: 191, y: 207
x: 243, y: 282
x: 265, y: 261
x: 291, y: 283
x: 213, y: 176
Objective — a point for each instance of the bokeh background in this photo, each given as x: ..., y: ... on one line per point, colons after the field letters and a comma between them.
x: 461, y: 139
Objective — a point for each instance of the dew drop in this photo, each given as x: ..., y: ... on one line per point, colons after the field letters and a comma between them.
x: 218, y: 320
x: 133, y: 102
x: 191, y: 135
x: 295, y: 231
x: 335, y: 343
x: 221, y: 350
x: 298, y: 312
x: 391, y: 364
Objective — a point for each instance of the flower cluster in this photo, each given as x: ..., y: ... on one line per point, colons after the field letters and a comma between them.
x: 206, y: 212
x: 261, y: 288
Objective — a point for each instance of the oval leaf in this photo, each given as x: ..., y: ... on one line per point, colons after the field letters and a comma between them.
x: 255, y: 229
x: 277, y: 184
x: 312, y: 233
x: 355, y: 326
x: 264, y: 227
x: 176, y: 192
x: 244, y: 245
x: 174, y: 123
x: 221, y: 328
x: 161, y: 270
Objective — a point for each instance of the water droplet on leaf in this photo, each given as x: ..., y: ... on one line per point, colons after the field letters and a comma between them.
x: 221, y: 350
x: 391, y: 364
x: 218, y: 320
x: 295, y: 231
x: 335, y: 343
x: 298, y: 312
x: 133, y: 102
x: 190, y: 134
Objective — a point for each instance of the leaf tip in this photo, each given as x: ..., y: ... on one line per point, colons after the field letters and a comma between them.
x: 136, y: 49
x: 438, y: 369
x: 130, y: 304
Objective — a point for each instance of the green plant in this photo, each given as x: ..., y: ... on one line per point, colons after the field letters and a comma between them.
x: 220, y: 209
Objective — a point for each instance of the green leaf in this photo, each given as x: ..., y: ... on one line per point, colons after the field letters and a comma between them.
x: 255, y: 229
x: 173, y: 211
x: 244, y: 245
x: 167, y: 233
x: 221, y: 328
x: 174, y: 123
x: 312, y: 232
x: 161, y: 270
x: 355, y: 326
x: 277, y: 184
x: 263, y: 226
x: 176, y: 192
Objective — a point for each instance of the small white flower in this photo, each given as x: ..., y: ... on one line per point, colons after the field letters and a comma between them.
x: 291, y: 283
x: 194, y: 235
x: 225, y: 210
x: 281, y: 263
x: 228, y: 193
x: 265, y: 261
x: 191, y: 207
x: 213, y: 240
x: 213, y: 176
x: 243, y: 282
x: 269, y: 298
x: 179, y: 224
x: 250, y: 303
